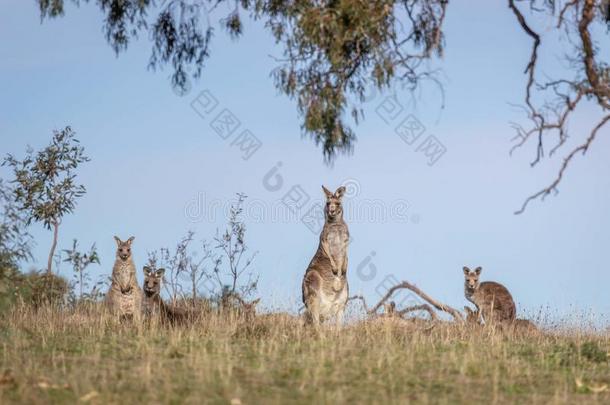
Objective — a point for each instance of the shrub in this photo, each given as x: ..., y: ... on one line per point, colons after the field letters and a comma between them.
x: 34, y: 288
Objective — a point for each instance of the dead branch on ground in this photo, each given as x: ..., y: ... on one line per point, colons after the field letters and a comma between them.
x: 432, y: 303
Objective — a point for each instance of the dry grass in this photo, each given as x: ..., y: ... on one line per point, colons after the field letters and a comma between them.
x: 54, y: 356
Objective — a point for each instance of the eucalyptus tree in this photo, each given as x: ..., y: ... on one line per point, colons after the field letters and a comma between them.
x: 45, y: 186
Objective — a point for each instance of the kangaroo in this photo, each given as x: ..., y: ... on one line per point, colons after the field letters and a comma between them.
x: 325, y: 289
x: 125, y: 296
x: 233, y: 302
x: 389, y: 310
x: 249, y: 309
x: 524, y: 326
x: 472, y: 316
x: 519, y: 325
x: 153, y: 304
x: 493, y: 301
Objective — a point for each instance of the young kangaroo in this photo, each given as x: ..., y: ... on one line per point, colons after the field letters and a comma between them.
x: 472, y: 317
x: 519, y: 325
x: 124, y: 297
x: 493, y: 301
x: 325, y: 288
x: 153, y: 304
x: 525, y: 326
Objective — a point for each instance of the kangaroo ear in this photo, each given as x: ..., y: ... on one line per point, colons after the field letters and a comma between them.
x: 147, y: 270
x: 130, y: 240
x: 466, y: 270
x: 327, y: 192
x: 118, y: 240
x: 340, y: 192
x: 256, y: 301
x: 160, y: 273
x: 478, y: 270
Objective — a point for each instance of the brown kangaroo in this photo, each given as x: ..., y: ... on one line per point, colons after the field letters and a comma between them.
x: 493, y: 301
x: 325, y: 288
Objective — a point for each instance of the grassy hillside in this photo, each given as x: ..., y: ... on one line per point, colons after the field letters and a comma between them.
x: 86, y: 356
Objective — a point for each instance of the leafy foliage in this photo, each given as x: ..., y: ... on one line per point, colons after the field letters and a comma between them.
x: 46, y: 189
x: 45, y: 180
x: 331, y: 48
x: 80, y: 261
x: 179, y: 39
x: 10, y: 280
x: 45, y: 289
x: 15, y: 241
x: 35, y: 289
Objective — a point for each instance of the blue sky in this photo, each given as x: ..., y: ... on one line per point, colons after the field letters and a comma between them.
x: 153, y: 156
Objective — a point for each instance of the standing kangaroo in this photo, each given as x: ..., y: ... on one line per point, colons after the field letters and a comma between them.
x: 493, y: 301
x: 125, y: 296
x: 325, y: 288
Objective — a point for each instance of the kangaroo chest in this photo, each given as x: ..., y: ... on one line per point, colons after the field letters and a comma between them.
x: 122, y: 274
x: 337, y: 239
x: 152, y: 305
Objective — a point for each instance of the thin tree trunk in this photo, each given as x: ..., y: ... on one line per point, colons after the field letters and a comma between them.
x: 194, y: 287
x: 53, y: 246
x: 234, y: 274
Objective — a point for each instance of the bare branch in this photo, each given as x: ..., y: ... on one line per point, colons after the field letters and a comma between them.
x: 439, y: 306
x: 530, y: 70
x: 361, y: 298
x: 553, y: 186
x: 552, y: 117
x: 422, y: 307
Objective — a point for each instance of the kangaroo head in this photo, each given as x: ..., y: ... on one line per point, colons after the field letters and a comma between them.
x: 333, y: 209
x: 123, y: 250
x: 249, y: 308
x: 152, y: 281
x: 472, y: 278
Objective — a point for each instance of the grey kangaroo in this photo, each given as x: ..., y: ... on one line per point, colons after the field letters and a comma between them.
x: 125, y: 296
x: 325, y: 288
x: 153, y: 304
